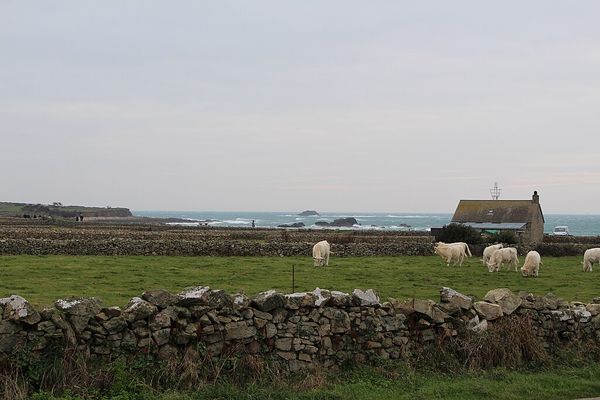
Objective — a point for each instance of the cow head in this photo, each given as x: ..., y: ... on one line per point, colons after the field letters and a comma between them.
x: 491, y: 266
x: 319, y: 261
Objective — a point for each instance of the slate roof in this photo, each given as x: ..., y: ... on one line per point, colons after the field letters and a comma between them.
x: 496, y: 211
x: 496, y: 227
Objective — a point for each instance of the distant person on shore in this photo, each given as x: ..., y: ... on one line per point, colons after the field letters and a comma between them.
x: 253, y: 224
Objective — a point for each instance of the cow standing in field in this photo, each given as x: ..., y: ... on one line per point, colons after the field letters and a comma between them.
x: 465, y: 247
x: 499, y: 257
x: 452, y: 252
x: 488, y: 251
x: 590, y: 257
x: 321, y: 252
x: 531, y: 265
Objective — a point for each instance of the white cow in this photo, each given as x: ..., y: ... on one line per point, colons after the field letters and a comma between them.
x: 456, y: 254
x: 465, y: 246
x: 531, y: 265
x: 488, y: 251
x: 590, y: 257
x: 321, y: 252
x: 507, y: 255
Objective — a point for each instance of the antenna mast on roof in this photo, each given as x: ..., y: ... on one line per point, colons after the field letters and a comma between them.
x: 495, y: 191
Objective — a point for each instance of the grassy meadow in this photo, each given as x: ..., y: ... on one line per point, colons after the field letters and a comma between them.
x: 565, y: 382
x: 43, y: 279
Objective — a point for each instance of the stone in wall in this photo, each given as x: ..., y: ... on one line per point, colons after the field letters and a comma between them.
x: 487, y: 310
x: 16, y: 308
x: 139, y: 309
x: 506, y: 299
x: 366, y: 298
x: 269, y: 300
x: 453, y: 301
x: 160, y: 298
x: 78, y: 311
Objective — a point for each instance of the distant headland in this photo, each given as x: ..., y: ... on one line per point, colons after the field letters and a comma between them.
x: 57, y: 210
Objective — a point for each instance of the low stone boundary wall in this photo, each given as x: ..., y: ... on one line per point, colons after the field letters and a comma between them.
x: 563, y: 249
x: 301, y: 330
x: 164, y: 240
x: 572, y: 239
x: 170, y: 247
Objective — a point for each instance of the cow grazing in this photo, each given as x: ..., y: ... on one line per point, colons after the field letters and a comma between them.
x: 507, y: 255
x: 321, y: 252
x: 531, y: 265
x: 488, y: 251
x: 590, y: 257
x: 448, y: 252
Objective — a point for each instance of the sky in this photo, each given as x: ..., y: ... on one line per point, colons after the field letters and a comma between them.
x: 335, y: 105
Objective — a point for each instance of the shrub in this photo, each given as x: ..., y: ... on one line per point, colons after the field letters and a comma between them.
x: 508, y: 343
x: 506, y: 237
x: 458, y: 233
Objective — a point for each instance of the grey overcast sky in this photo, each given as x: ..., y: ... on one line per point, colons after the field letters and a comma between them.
x: 334, y: 105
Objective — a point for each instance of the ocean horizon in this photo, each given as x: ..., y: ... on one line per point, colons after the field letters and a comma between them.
x: 579, y: 224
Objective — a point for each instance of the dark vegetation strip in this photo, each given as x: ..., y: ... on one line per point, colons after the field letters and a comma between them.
x: 506, y: 362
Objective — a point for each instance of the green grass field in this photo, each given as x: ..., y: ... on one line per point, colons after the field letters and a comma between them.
x: 365, y: 384
x: 115, y: 280
x: 564, y: 382
x: 10, y: 208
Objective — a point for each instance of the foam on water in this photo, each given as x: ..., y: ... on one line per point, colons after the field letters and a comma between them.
x: 411, y: 216
x: 351, y: 215
x: 238, y: 221
x: 184, y: 223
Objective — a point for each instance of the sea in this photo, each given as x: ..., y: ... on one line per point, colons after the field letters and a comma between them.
x: 579, y: 224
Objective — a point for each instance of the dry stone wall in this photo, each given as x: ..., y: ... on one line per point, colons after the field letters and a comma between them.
x: 301, y: 330
x: 160, y: 240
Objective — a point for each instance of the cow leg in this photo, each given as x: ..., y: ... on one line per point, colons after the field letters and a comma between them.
x: 327, y: 259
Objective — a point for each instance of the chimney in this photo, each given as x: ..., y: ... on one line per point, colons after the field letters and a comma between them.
x: 535, y: 199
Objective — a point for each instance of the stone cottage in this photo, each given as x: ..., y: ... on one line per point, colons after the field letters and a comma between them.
x: 523, y: 217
